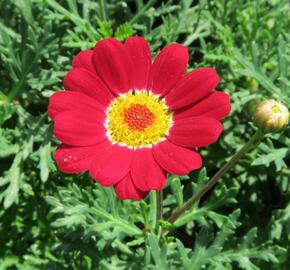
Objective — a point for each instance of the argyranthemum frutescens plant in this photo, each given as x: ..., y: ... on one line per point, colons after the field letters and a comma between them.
x: 129, y: 121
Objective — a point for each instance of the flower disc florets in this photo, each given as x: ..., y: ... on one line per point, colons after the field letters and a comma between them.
x: 137, y: 119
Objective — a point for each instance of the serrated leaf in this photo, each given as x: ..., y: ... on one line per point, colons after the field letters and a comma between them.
x: 124, y: 31
x: 277, y: 156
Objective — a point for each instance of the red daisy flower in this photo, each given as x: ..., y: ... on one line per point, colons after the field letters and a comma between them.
x: 129, y: 121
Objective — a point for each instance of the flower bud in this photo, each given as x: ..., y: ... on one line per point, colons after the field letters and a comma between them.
x: 271, y: 116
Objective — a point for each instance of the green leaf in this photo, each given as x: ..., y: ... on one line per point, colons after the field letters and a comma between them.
x: 14, y: 181
x: 277, y: 156
x: 105, y: 28
x: 124, y: 31
x: 156, y: 253
x: 45, y: 160
x: 254, y: 72
x: 177, y: 189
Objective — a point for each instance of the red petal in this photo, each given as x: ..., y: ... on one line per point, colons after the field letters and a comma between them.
x: 80, y: 128
x: 175, y: 159
x: 168, y: 68
x: 126, y: 190
x: 114, y: 65
x: 71, y: 159
x: 142, y: 62
x: 216, y: 105
x: 67, y: 100
x: 195, y: 131
x: 84, y: 60
x: 145, y: 172
x: 82, y: 80
x: 112, y: 165
x: 193, y: 86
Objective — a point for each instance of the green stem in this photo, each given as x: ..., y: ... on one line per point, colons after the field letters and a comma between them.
x: 103, y: 9
x: 255, y: 139
x: 159, y: 201
x: 142, y: 11
x: 153, y: 210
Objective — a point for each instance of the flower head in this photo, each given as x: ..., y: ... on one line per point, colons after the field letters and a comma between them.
x: 271, y: 116
x: 129, y: 121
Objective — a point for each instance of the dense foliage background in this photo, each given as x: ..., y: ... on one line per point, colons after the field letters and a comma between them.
x: 49, y: 220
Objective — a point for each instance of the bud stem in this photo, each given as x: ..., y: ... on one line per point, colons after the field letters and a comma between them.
x: 254, y: 140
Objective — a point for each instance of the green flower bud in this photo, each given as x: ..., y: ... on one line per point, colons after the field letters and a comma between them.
x: 271, y: 116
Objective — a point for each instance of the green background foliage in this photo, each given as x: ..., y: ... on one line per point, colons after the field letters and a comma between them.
x: 49, y: 220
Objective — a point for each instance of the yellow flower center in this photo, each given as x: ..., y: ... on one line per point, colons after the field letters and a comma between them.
x: 138, y: 119
x: 276, y: 109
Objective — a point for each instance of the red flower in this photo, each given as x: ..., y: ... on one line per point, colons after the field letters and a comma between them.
x: 129, y: 122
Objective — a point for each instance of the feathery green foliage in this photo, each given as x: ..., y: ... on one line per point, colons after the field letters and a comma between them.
x: 49, y: 220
